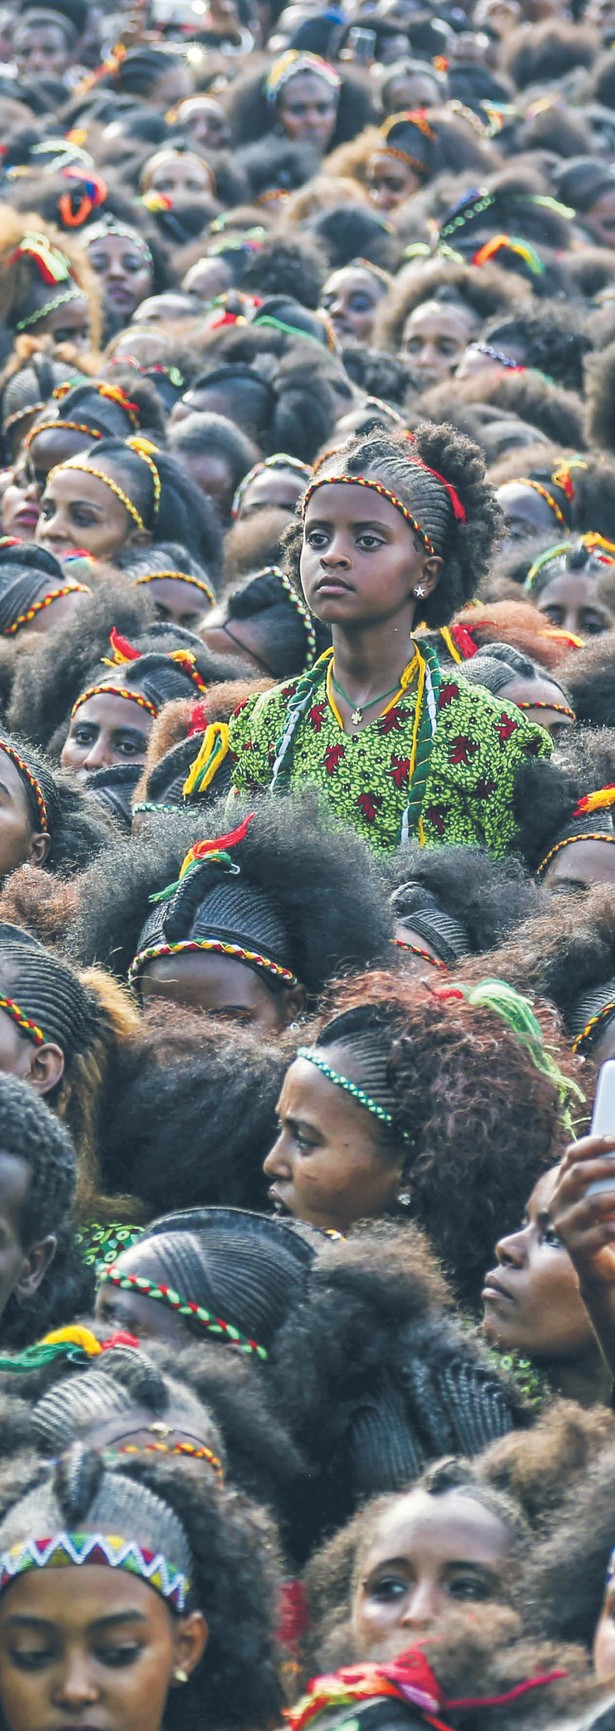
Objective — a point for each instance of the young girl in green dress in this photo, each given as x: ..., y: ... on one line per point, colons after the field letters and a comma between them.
x: 394, y: 532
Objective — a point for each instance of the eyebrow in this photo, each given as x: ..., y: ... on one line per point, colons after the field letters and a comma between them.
x: 131, y: 733
x: 18, y: 1620
x: 368, y: 523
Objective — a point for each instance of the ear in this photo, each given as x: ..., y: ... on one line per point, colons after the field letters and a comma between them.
x: 431, y: 572
x: 46, y: 1068
x: 191, y: 1638
x: 40, y: 848
x: 294, y: 1003
x: 34, y: 1267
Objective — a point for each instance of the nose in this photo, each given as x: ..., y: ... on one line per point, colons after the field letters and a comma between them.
x: 421, y: 1606
x: 335, y: 555
x: 511, y: 1251
x: 76, y: 1686
x: 115, y: 269
x: 99, y: 756
x: 277, y: 1164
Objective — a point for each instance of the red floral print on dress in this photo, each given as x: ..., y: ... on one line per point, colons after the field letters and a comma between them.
x: 369, y: 804
x: 393, y: 720
x: 505, y: 728
x: 462, y: 749
x: 333, y: 757
x: 316, y: 716
x: 448, y: 693
x: 400, y: 770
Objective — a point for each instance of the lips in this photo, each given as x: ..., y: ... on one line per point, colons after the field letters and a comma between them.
x: 28, y: 515
x: 494, y: 1288
x: 332, y: 586
x: 276, y: 1197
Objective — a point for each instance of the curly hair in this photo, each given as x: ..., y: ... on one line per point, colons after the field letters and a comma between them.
x: 30, y: 1132
x: 251, y: 117
x: 600, y: 375
x: 287, y: 264
x: 49, y: 678
x: 21, y: 277
x: 488, y: 899
x: 78, y: 829
x: 556, y: 412
x: 333, y: 1572
x: 562, y: 952
x: 117, y: 411
x: 348, y: 231
x: 321, y: 879
x: 235, y: 1574
x: 437, y: 452
x: 283, y: 630
x: 588, y: 675
x: 551, y: 338
x: 482, y: 293
x: 544, y: 52
x: 194, y: 1112
x: 539, y: 1466
x: 513, y: 621
x: 284, y: 403
x: 562, y: 1584
x: 459, y: 1083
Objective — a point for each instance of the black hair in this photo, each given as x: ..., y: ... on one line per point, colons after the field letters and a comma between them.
x: 563, y: 1582
x: 26, y: 385
x: 194, y: 1113
x: 466, y: 547
x: 251, y: 117
x: 183, y: 513
x: 574, y: 556
x: 331, y: 1575
x: 583, y: 181
x: 551, y: 338
x: 381, y: 375
x: 290, y: 265
x: 311, y: 888
x: 138, y: 72
x: 499, y: 665
x: 483, y: 292
x: 459, y: 899
x: 113, y: 787
x: 284, y: 405
x: 208, y: 434
x: 31, y: 1132
x: 234, y: 1567
x: 514, y: 206
x: 77, y: 828
x: 557, y: 412
x: 291, y: 639
x: 111, y: 411
x: 541, y: 53
x: 348, y: 231
x: 278, y: 165
x: 590, y: 678
x: 600, y: 375
x: 58, y: 665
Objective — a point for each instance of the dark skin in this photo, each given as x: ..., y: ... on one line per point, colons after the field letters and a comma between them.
x: 148, y: 1318
x: 360, y: 566
x: 68, y: 323
x: 42, y: 1067
x: 526, y: 513
x: 306, y: 110
x: 351, y: 296
x: 329, y: 1165
x: 50, y: 447
x: 570, y: 601
x: 434, y: 338
x: 529, y: 693
x: 179, y: 602
x: 22, y: 1266
x: 125, y: 271
x: 78, y: 509
x: 20, y: 842
x: 580, y: 864
x: 390, y: 180
x: 242, y: 637
x: 41, y: 49
x: 103, y: 731
x: 277, y: 488
x: 586, y: 1225
x: 427, y: 1555
x: 222, y: 987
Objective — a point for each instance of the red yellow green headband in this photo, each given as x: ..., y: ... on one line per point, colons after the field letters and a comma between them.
x: 33, y: 784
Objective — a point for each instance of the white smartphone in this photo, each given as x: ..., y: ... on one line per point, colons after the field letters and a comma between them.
x: 603, y: 1120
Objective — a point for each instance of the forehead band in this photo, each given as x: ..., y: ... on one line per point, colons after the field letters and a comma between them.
x: 33, y: 784
x: 374, y: 487
x: 73, y: 1550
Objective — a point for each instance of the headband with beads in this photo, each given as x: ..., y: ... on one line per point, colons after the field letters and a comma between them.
x: 280, y: 460
x: 100, y: 230
x: 226, y: 1331
x: 385, y: 493
x: 125, y: 652
x: 46, y: 601
x: 144, y: 449
x: 192, y: 1450
x: 74, y: 1550
x: 52, y: 426
x: 603, y: 799
x: 290, y: 65
x: 59, y: 300
x: 86, y: 468
x: 33, y: 784
x: 589, y: 1032
x: 179, y: 577
x: 597, y: 545
x: 313, y: 1056
x: 114, y: 691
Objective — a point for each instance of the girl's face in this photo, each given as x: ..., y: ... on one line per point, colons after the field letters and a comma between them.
x: 79, y: 510
x: 350, y: 296
x: 97, y: 1648
x: 125, y: 272
x: 274, y: 489
x: 178, y: 174
x: 390, y: 181
x: 20, y: 843
x: 599, y: 220
x: 428, y: 1554
x: 68, y: 323
x: 205, y: 122
x: 434, y: 338
x: 580, y: 864
x: 529, y: 693
x: 526, y: 513
x: 360, y: 560
x: 179, y: 602
x: 220, y: 986
x: 50, y: 448
x: 147, y: 1318
x: 532, y: 1300
x: 307, y: 110
x: 20, y: 507
x: 328, y: 1165
x: 105, y: 730
x: 570, y: 601
x: 604, y: 1638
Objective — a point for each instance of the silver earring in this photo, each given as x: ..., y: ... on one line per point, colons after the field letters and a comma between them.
x: 420, y: 592
x: 404, y: 1199
x: 180, y: 1676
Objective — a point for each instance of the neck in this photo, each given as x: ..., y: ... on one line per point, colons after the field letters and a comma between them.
x: 586, y: 1380
x: 371, y: 656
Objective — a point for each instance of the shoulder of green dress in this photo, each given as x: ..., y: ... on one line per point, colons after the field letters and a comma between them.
x: 499, y: 722
x: 257, y: 711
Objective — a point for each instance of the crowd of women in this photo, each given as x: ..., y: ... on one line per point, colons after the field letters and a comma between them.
x: 307, y: 905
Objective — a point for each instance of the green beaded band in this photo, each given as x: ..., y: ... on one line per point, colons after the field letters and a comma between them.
x: 71, y: 294
x: 359, y: 1094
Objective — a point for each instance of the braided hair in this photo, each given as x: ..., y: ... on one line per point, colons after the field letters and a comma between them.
x: 181, y: 511
x: 288, y: 638
x: 76, y: 827
x: 224, y: 1544
x: 458, y: 899
x: 418, y: 473
x: 106, y: 410
x: 31, y: 1133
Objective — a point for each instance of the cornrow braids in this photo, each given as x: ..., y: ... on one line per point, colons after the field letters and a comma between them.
x: 423, y: 473
x: 172, y: 510
x: 105, y: 410
x: 291, y: 637
x: 57, y: 806
x: 122, y: 1383
x: 221, y: 1541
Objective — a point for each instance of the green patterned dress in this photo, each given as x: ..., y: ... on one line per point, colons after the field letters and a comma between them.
x: 477, y: 748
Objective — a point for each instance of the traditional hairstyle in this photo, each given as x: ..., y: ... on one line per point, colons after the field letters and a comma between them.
x: 501, y: 666
x: 31, y: 580
x: 457, y: 900
x: 214, y: 1551
x: 479, y: 293
x: 157, y: 494
x: 37, y: 275
x: 254, y: 100
x: 305, y: 902
x: 57, y: 807
x: 289, y: 638
x: 103, y: 410
x: 588, y: 673
x: 30, y: 1132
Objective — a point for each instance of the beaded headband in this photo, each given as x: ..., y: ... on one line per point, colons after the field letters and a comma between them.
x: 60, y: 300
x: 100, y: 230
x: 374, y: 487
x: 290, y: 65
x: 73, y: 1550
x: 602, y: 799
x: 525, y: 481
x: 589, y: 1031
x: 549, y: 556
x: 230, y: 1335
x: 218, y: 947
x: 312, y: 1056
x: 404, y: 156
x: 183, y: 1448
x: 281, y: 461
x: 50, y: 427
x: 180, y: 577
x: 23, y: 1021
x: 20, y: 415
x: 39, y: 606
x: 144, y: 449
x: 414, y: 950
x: 587, y: 835
x: 33, y: 784
x: 99, y: 475
x: 114, y: 691
x: 558, y: 708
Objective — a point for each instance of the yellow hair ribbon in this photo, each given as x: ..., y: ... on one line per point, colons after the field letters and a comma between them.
x: 212, y: 753
x: 74, y: 1336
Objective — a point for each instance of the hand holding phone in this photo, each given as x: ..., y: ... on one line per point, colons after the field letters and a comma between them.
x: 583, y: 1205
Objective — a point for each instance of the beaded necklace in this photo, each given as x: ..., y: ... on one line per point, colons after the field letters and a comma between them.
x: 424, y: 731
